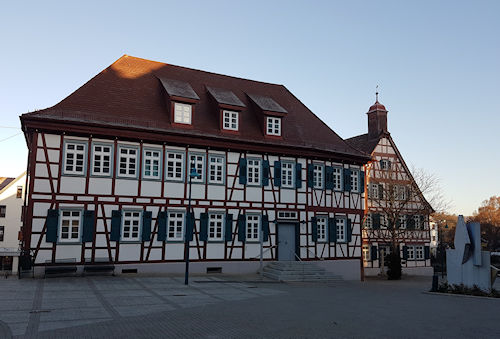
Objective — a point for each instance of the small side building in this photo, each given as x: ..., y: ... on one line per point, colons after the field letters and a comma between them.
x: 396, y: 211
x: 11, y: 207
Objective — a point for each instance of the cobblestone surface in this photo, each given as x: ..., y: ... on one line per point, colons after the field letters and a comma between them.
x: 154, y: 307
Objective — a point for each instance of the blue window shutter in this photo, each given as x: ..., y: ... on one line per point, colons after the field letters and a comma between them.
x: 376, y: 221
x: 314, y: 229
x: 349, y: 230
x: 410, y: 222
x: 405, y: 252
x: 88, y: 226
x: 229, y: 228
x: 203, y: 226
x: 374, y: 253
x: 162, y: 226
x: 388, y: 164
x: 298, y: 175
x: 332, y: 230
x: 243, y: 171
x: 52, y: 225
x: 329, y: 177
x: 265, y: 173
x: 310, y: 175
x: 241, y: 228
x: 189, y: 226
x: 277, y: 173
x: 265, y: 228
x: 362, y: 181
x: 146, y: 225
x: 427, y: 252
x: 116, y: 225
x: 347, y: 180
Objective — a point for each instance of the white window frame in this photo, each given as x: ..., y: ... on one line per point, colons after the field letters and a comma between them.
x: 127, y: 157
x: 322, y: 228
x: 103, y: 157
x: 254, y: 171
x: 177, y: 165
x: 318, y: 176
x: 153, y: 160
x: 287, y: 174
x: 131, y: 219
x: 341, y: 229
x: 366, y: 253
x: 337, y: 178
x: 199, y: 164
x: 383, y: 221
x: 368, y: 221
x: 216, y: 224
x: 176, y: 223
x: 70, y: 232
x: 373, y: 191
x: 273, y: 126
x: 252, y: 227
x: 216, y: 166
x: 355, y: 187
x: 384, y: 164
x: 183, y: 113
x: 230, y: 120
x: 410, y: 252
x: 402, y: 221
x: 77, y: 155
x: 416, y: 220
x: 419, y: 252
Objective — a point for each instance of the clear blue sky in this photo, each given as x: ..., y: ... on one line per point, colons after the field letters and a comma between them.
x: 437, y: 64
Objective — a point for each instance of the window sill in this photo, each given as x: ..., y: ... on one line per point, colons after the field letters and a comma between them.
x: 126, y: 178
x: 70, y: 243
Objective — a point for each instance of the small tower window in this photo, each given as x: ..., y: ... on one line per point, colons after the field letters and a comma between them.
x: 273, y: 126
x: 182, y: 113
x: 230, y: 120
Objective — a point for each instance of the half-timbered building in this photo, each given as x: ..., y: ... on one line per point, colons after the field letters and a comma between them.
x: 396, y: 210
x: 109, y: 176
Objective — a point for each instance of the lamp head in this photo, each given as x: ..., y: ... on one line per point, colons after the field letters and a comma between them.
x: 194, y: 173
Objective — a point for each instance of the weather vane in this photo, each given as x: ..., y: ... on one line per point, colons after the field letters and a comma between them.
x: 376, y: 93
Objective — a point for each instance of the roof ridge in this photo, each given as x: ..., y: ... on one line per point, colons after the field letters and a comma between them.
x: 197, y: 70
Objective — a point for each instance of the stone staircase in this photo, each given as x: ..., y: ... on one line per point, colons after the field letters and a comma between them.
x: 298, y: 271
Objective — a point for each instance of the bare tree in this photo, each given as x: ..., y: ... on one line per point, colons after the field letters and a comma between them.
x: 399, y: 205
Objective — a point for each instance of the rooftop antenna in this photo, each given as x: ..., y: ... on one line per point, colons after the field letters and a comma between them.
x: 376, y: 94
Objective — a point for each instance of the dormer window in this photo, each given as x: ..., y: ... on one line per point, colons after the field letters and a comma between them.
x: 182, y: 113
x: 230, y: 120
x: 273, y: 126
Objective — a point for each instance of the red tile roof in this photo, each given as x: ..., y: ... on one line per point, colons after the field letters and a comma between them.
x: 129, y: 94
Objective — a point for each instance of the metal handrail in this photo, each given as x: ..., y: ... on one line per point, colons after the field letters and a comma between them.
x: 267, y: 250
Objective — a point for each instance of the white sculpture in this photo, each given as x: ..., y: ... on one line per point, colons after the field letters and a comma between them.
x: 467, y: 264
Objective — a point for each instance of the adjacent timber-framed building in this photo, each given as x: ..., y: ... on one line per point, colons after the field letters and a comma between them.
x: 108, y: 169
x: 396, y: 211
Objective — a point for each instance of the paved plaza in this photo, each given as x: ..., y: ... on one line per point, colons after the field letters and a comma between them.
x: 221, y: 306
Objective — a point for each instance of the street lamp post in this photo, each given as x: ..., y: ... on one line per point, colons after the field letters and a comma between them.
x: 193, y: 174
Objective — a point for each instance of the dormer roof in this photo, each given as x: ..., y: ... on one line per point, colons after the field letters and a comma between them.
x: 266, y: 104
x: 225, y: 97
x: 177, y: 88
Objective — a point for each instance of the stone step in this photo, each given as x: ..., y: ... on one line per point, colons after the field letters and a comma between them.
x: 298, y: 271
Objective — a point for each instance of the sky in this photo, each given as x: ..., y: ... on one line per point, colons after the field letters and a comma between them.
x: 437, y: 65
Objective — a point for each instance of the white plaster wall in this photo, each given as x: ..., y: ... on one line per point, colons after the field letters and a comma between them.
x: 151, y: 188
x: 99, y: 186
x: 12, y: 220
x: 127, y: 187
x: 74, y: 185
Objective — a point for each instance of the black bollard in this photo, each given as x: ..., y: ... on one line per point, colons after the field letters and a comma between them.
x: 435, y: 280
